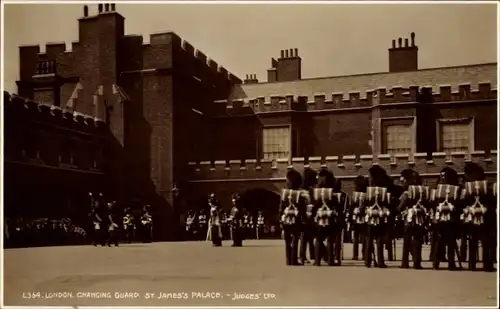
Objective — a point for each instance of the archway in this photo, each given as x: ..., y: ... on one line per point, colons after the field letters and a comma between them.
x: 262, y: 199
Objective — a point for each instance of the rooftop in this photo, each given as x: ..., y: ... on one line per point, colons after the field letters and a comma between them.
x: 434, y: 77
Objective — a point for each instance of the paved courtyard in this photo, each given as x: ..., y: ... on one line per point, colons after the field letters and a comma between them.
x: 194, y: 273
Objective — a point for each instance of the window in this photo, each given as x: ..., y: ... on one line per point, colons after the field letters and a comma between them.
x: 276, y: 142
x: 398, y: 135
x: 398, y: 139
x: 455, y: 135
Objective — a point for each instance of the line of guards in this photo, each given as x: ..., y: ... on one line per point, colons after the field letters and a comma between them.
x: 107, y: 226
x: 198, y: 223
x: 315, y: 212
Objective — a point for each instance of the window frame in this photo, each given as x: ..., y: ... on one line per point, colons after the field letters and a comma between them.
x: 276, y: 126
x: 465, y: 120
x: 394, y: 121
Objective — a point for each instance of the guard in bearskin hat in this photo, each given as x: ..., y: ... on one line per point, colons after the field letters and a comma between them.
x: 414, y: 204
x: 308, y: 226
x: 478, y: 215
x: 446, y: 205
x: 292, y: 210
x: 377, y: 212
x: 340, y: 202
x: 357, y: 216
x: 325, y: 218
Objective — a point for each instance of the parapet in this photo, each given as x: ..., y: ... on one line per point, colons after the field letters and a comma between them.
x: 347, y: 167
x: 170, y: 38
x: 15, y: 105
x: 367, y: 99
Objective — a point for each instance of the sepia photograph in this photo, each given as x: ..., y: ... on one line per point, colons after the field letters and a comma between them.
x: 249, y: 154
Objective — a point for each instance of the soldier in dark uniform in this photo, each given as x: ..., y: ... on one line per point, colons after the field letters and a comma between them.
x: 190, y: 224
x: 98, y: 216
x: 236, y: 221
x: 446, y: 205
x: 215, y: 220
x: 414, y: 207
x: 202, y: 224
x: 357, y: 216
x: 147, y: 224
x: 325, y: 214
x: 478, y: 215
x: 112, y: 225
x: 292, y: 210
x: 246, y: 224
x: 129, y: 225
x: 377, y: 213
x: 308, y: 226
x: 260, y: 225
x: 340, y: 201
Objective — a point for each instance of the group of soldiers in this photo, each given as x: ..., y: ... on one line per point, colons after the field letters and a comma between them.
x: 315, y: 212
x: 23, y: 232
x: 107, y: 223
x: 198, y: 224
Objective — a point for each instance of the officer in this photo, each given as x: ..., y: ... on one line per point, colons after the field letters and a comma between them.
x: 215, y: 220
x: 236, y: 221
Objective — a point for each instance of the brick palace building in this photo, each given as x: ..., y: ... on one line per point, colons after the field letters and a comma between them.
x: 135, y: 120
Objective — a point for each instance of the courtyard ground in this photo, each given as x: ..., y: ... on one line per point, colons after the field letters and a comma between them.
x: 194, y: 273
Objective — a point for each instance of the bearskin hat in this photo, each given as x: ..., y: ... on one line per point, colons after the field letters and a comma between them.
x: 309, y: 178
x: 473, y: 172
x: 327, y: 177
x: 450, y: 176
x: 379, y: 177
x: 360, y: 184
x: 337, y: 187
x: 412, y: 177
x: 294, y: 179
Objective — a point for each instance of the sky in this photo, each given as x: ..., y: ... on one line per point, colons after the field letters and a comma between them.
x: 332, y: 39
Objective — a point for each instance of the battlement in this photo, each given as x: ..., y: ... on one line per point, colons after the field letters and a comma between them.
x: 357, y: 99
x: 16, y: 105
x: 157, y: 54
x: 347, y: 167
x: 200, y: 56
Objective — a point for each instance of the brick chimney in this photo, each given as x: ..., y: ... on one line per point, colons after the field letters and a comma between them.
x: 287, y: 68
x: 403, y: 58
x: 251, y: 79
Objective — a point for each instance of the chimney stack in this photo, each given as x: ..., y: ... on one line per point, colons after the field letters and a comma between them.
x: 287, y: 68
x: 403, y: 58
x: 251, y: 79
